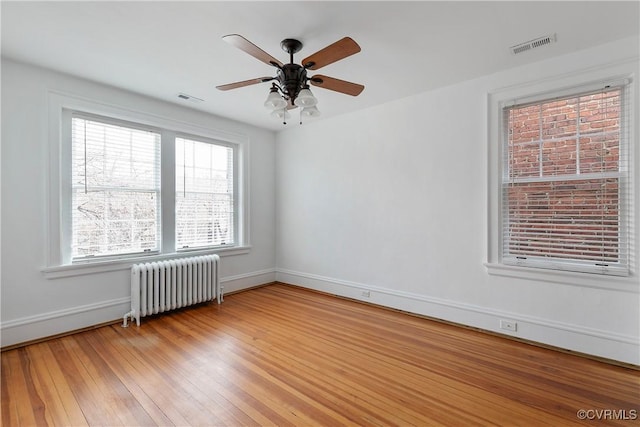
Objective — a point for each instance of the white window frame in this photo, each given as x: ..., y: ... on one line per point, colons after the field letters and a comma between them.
x: 549, y: 88
x: 59, y: 262
x: 236, y: 206
x: 67, y: 116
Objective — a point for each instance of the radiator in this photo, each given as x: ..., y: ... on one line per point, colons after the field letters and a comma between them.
x: 161, y: 286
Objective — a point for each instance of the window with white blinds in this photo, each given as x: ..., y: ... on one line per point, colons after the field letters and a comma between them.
x: 126, y: 185
x: 565, y: 195
x: 115, y: 201
x: 205, y: 202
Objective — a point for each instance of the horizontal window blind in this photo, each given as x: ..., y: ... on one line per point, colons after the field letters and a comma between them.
x: 565, y: 182
x: 205, y: 202
x: 115, y: 188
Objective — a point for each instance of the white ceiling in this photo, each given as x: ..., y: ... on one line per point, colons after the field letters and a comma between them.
x: 160, y: 49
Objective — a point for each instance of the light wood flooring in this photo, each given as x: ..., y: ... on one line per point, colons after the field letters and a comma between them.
x: 281, y: 355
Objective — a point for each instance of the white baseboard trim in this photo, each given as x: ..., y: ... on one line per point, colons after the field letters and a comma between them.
x: 61, y: 321
x: 248, y: 280
x: 57, y: 322
x: 600, y: 343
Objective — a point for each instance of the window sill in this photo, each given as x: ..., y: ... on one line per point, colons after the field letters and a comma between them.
x: 92, y: 267
x: 590, y: 280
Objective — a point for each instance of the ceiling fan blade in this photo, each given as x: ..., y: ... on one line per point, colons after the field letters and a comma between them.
x: 332, y: 53
x: 337, y: 85
x: 253, y: 50
x: 244, y: 83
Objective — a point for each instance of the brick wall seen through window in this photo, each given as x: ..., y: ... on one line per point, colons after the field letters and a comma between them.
x: 561, y: 189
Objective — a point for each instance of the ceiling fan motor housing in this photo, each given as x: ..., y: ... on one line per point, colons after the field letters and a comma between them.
x: 292, y: 78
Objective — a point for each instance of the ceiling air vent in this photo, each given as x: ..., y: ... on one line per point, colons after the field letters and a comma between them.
x: 532, y: 44
x: 191, y: 98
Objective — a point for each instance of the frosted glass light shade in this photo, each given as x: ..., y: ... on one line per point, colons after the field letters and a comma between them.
x: 274, y: 101
x: 280, y: 113
x: 310, y: 111
x: 305, y: 99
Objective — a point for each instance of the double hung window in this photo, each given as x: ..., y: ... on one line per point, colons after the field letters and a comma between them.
x: 115, y: 202
x: 565, y: 178
x: 204, y: 194
x: 120, y: 203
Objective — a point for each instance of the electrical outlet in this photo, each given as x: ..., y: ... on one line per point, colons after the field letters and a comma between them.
x: 508, y: 325
x: 366, y: 294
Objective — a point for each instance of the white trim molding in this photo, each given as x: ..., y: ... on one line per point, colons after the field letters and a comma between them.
x: 80, y: 269
x: 589, y: 280
x: 58, y: 261
x: 248, y: 280
x: 61, y: 321
x: 44, y: 325
x: 623, y: 70
x: 600, y: 343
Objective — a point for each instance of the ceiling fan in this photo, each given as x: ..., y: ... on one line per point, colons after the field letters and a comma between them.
x: 290, y: 86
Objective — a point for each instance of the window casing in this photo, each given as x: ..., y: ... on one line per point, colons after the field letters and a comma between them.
x: 115, y: 201
x: 68, y: 182
x: 205, y: 188
x: 565, y: 181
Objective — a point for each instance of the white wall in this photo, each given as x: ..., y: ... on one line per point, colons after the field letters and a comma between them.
x: 350, y: 204
x: 34, y: 306
x: 393, y: 200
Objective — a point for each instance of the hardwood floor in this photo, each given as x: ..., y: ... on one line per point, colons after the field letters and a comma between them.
x: 280, y: 355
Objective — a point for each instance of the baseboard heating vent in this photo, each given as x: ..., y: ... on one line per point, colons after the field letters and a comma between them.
x: 162, y: 286
x: 533, y: 44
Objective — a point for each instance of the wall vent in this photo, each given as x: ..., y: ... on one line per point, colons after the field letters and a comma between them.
x: 532, y: 44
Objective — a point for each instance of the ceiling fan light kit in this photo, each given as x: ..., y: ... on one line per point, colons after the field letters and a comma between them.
x: 274, y: 100
x: 305, y: 98
x: 310, y: 112
x: 290, y: 87
x: 282, y: 114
